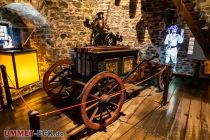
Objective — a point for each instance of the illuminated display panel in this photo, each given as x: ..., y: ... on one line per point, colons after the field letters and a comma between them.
x: 22, y: 67
x: 27, y: 68
x: 6, y: 60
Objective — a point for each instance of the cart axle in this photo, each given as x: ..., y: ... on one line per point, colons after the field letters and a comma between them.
x: 105, y: 98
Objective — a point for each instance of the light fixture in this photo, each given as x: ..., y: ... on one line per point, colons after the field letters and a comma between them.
x: 21, y: 67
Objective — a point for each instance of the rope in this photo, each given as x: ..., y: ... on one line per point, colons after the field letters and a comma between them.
x: 77, y: 105
x: 26, y: 104
x: 70, y: 107
x: 158, y: 73
x: 66, y: 108
x: 113, y: 95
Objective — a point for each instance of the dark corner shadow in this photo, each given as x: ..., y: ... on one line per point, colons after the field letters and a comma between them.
x: 84, y: 133
x: 73, y: 114
x: 156, y: 17
x: 117, y: 2
x: 140, y: 30
x: 137, y: 92
x: 88, y: 132
x: 132, y: 8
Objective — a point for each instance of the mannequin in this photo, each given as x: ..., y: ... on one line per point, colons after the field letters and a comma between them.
x: 172, y: 39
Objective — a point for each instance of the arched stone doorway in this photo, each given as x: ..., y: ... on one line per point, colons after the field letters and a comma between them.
x: 25, y: 16
x: 37, y: 31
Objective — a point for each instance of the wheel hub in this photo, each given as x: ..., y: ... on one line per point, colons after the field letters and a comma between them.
x: 105, y: 98
x: 65, y: 81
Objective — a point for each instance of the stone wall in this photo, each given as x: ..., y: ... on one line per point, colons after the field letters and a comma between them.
x: 65, y: 19
x: 24, y: 9
x: 157, y: 18
x: 142, y: 24
x: 32, y: 23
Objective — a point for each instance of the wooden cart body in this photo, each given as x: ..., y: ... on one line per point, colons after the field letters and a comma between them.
x: 88, y: 61
x: 101, y: 73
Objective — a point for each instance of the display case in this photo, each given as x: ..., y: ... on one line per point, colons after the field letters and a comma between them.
x: 13, y: 38
x: 6, y: 35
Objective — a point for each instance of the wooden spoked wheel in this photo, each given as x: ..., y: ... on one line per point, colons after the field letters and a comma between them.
x: 160, y: 80
x: 105, y: 94
x: 57, y: 79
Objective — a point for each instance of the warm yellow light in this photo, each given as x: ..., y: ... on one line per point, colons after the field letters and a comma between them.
x: 22, y: 67
x: 27, y: 68
x: 6, y: 60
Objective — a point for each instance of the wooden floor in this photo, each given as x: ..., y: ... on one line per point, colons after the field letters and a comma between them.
x: 186, y: 116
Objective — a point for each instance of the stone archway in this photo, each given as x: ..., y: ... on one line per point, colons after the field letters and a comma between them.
x: 41, y: 38
x: 37, y: 4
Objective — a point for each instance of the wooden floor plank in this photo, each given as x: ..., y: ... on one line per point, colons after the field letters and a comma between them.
x: 150, y: 123
x: 168, y: 113
x: 131, y: 108
x: 171, y: 90
x: 193, y: 130
x: 129, y: 111
x: 128, y: 135
x: 151, y: 136
x: 136, y: 134
x: 136, y: 102
x: 140, y: 134
x: 205, y: 116
x: 33, y: 104
x: 178, y: 128
x: 123, y: 128
x: 143, y: 110
x: 184, y: 116
x: 57, y: 122
x: 104, y: 135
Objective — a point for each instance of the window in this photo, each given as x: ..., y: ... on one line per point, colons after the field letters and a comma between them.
x: 5, y: 36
